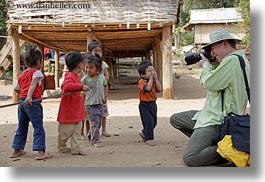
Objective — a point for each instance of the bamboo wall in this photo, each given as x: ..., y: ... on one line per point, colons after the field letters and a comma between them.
x: 202, y: 32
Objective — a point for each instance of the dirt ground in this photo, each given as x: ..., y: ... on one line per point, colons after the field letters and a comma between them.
x: 124, y: 148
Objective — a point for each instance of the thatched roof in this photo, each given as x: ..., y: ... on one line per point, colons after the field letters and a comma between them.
x: 120, y: 25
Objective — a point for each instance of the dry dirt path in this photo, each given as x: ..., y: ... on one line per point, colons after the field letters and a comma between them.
x: 125, y: 149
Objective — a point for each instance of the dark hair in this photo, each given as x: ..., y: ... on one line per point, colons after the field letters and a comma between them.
x: 96, y: 61
x: 92, y: 45
x: 32, y: 55
x: 232, y: 43
x: 142, y: 67
x: 73, y: 59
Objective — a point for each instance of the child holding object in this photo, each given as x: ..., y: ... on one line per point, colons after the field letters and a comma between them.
x: 28, y: 86
x: 71, y: 110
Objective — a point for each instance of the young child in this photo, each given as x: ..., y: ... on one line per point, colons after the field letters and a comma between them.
x: 95, y: 49
x: 148, y: 87
x: 95, y: 97
x: 85, y: 129
x: 28, y: 86
x: 71, y: 110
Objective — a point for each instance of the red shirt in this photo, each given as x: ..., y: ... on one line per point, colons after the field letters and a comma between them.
x: 71, y: 108
x: 145, y: 95
x: 24, y: 81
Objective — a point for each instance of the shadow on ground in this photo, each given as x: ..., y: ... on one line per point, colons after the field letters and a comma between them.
x: 123, y: 149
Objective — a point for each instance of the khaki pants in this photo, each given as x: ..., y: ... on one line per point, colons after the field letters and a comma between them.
x: 199, y: 150
x: 72, y: 131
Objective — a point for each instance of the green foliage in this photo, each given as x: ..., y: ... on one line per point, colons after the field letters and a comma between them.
x: 187, y: 38
x: 243, y: 7
x: 208, y: 4
x: 2, y: 15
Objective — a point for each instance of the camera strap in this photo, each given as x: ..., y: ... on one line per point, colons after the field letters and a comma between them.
x: 242, y: 65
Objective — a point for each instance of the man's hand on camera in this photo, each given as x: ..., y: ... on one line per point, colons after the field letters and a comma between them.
x: 203, y: 60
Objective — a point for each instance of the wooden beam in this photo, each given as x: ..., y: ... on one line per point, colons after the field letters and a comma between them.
x: 34, y: 40
x: 41, y: 49
x: 158, y: 54
x: 56, y: 75
x: 16, y: 61
x: 89, y: 40
x: 166, y: 47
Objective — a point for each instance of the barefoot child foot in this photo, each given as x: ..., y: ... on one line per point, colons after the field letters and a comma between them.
x: 43, y: 155
x: 80, y: 153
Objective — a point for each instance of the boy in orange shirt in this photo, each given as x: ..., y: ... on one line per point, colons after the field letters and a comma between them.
x: 148, y: 87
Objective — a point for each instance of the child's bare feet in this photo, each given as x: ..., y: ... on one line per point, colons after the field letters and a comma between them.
x: 79, y: 153
x: 97, y: 145
x: 17, y: 153
x: 43, y: 155
x: 65, y: 150
x: 106, y: 134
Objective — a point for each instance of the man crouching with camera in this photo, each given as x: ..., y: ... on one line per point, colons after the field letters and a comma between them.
x: 225, y: 74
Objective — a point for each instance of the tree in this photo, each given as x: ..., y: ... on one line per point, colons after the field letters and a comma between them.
x: 2, y: 15
x: 243, y: 7
x: 186, y: 37
x: 2, y: 22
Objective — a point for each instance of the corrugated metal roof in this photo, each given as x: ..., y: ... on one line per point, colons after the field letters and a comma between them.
x: 219, y: 15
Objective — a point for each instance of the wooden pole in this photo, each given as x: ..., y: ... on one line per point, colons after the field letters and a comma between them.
x: 154, y: 56
x: 115, y: 69
x: 111, y: 69
x: 158, y: 54
x: 16, y: 60
x: 56, y: 75
x: 41, y: 49
x: 166, y: 47
x: 89, y: 39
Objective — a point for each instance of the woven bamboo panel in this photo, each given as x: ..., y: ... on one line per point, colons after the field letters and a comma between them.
x: 91, y: 11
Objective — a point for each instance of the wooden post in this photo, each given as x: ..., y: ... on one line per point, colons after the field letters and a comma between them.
x: 154, y: 55
x: 115, y: 69
x: 89, y: 39
x: 147, y: 55
x: 56, y: 75
x: 41, y: 49
x: 166, y: 48
x: 158, y: 55
x: 111, y: 69
x: 16, y: 61
x: 118, y: 66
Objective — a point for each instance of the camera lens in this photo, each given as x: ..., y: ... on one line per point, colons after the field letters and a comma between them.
x: 192, y: 58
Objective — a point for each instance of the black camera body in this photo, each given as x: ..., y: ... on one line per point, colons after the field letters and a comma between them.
x: 192, y: 58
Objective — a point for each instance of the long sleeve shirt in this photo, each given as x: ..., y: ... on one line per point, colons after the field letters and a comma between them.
x: 226, y: 76
x: 71, y: 108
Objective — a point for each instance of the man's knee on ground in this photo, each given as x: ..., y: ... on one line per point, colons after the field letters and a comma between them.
x: 190, y: 160
x: 174, y: 120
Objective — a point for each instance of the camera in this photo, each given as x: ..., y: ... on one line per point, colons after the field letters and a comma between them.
x: 192, y: 58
